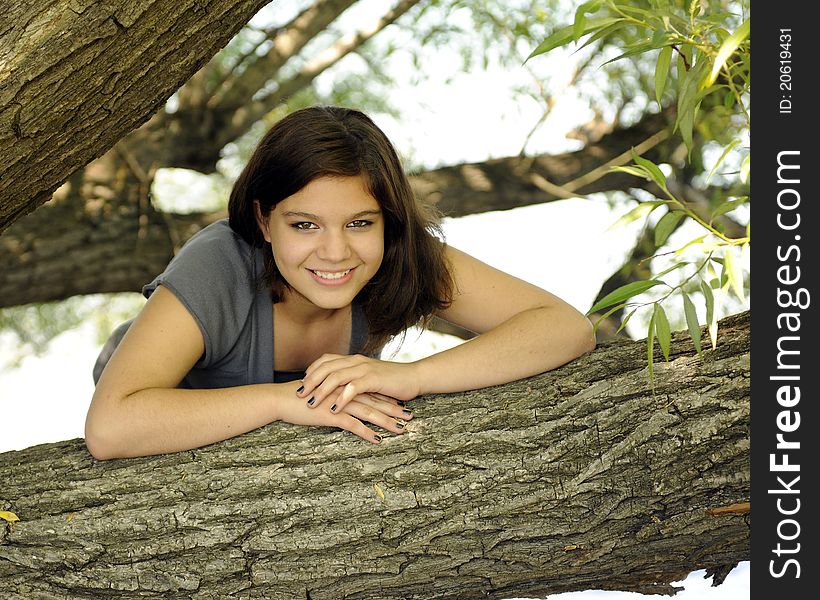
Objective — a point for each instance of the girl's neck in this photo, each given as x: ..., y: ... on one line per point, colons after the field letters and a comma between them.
x: 298, y: 309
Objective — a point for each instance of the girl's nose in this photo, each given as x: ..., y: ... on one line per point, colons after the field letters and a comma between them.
x: 334, y: 247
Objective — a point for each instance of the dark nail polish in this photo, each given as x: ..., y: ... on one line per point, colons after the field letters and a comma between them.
x: 333, y: 408
x: 407, y: 412
x: 310, y: 402
x: 299, y: 391
x: 401, y: 402
x: 378, y: 438
x: 400, y: 424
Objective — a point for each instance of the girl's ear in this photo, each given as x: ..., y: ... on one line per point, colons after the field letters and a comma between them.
x: 261, y: 222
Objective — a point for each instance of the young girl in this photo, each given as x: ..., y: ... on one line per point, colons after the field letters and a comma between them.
x: 279, y: 312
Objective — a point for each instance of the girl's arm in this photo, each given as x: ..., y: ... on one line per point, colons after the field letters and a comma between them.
x: 137, y: 410
x: 523, y: 330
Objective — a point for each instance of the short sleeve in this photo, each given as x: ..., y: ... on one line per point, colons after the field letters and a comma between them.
x: 215, y: 275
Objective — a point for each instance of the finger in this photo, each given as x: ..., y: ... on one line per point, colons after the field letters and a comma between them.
x: 315, y: 377
x: 369, y: 414
x: 356, y: 427
x: 388, y: 408
x: 336, y: 380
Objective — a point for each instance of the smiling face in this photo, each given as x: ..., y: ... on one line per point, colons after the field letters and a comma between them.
x: 327, y: 241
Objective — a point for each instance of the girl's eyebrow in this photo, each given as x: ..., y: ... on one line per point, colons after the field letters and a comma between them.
x: 304, y: 215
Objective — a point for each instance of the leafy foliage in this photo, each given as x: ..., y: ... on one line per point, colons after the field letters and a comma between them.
x: 702, y: 67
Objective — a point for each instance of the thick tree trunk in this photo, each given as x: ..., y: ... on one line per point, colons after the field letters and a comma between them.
x: 77, y: 76
x: 581, y: 478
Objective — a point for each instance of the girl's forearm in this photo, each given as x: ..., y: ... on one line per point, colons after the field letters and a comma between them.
x: 508, y: 352
x: 158, y: 421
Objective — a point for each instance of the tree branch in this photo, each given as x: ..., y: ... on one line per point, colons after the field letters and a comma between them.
x: 83, y: 74
x: 580, y: 478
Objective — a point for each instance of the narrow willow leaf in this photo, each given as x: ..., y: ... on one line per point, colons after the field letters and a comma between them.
x: 650, y: 351
x: 735, y: 274
x: 711, y: 322
x: 674, y: 267
x: 642, y: 210
x: 693, y: 242
x: 565, y: 35
x: 691, y: 321
x: 607, y: 314
x: 728, y: 46
x: 634, y: 50
x: 662, y: 72
x: 8, y: 516
x: 728, y: 206
x: 745, y: 168
x: 666, y: 226
x: 578, y: 26
x: 636, y: 171
x: 608, y: 30
x: 662, y: 330
x: 651, y: 168
x: 726, y: 151
x: 626, y: 320
x: 624, y: 293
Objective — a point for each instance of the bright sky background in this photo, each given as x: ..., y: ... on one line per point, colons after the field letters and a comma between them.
x: 565, y: 247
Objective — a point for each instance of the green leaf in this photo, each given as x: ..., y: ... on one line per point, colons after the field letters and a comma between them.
x: 691, y: 321
x: 642, y: 210
x: 608, y: 30
x: 650, y: 350
x: 662, y: 330
x: 636, y: 171
x: 633, y: 50
x: 735, y: 274
x: 565, y: 35
x: 654, y: 172
x: 662, y: 72
x: 746, y: 168
x: 726, y: 151
x: 626, y: 320
x: 728, y: 46
x: 624, y: 293
x: 711, y: 321
x: 728, y: 206
x: 677, y: 265
x: 615, y: 308
x: 666, y: 226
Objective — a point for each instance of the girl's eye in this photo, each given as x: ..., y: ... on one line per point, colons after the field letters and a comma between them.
x: 358, y: 223
x: 304, y: 225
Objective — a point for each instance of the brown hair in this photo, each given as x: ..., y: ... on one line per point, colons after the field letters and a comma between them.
x: 414, y: 279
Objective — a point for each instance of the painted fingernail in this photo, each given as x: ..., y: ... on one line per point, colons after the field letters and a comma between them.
x: 407, y: 412
x: 378, y: 438
x: 301, y: 388
x: 333, y: 408
x: 311, y: 401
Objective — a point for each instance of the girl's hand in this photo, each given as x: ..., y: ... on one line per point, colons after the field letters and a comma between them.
x: 355, y: 375
x: 376, y: 409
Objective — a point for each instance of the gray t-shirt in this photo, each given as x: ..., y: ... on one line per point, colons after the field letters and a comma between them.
x: 216, y: 276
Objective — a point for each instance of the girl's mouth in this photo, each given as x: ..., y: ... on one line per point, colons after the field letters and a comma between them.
x: 332, y: 277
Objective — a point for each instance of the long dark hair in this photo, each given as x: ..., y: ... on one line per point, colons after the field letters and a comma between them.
x: 414, y: 279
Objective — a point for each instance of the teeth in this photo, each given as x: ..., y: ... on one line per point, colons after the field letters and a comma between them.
x: 338, y: 275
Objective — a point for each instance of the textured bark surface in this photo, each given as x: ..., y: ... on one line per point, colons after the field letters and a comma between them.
x: 576, y: 479
x: 75, y: 76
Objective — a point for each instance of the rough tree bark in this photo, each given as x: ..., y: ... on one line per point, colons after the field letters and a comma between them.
x: 76, y: 76
x: 581, y: 478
